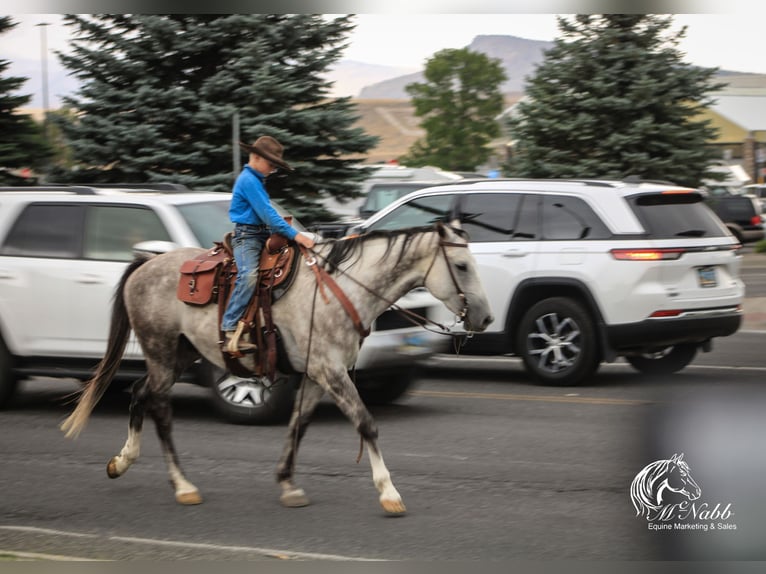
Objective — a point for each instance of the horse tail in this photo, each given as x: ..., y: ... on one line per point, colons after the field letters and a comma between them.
x: 119, y: 330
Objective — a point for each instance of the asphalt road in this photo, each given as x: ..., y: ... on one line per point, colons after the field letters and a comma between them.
x: 491, y: 467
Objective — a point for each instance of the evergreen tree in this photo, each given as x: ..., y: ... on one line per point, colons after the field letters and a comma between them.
x: 613, y: 98
x: 22, y: 140
x: 159, y: 93
x: 459, y: 103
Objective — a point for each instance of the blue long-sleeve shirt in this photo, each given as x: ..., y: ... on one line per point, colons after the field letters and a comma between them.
x: 250, y: 203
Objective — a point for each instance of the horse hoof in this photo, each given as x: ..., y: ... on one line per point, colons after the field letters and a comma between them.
x: 111, y: 469
x: 189, y: 498
x: 294, y: 499
x: 393, y: 507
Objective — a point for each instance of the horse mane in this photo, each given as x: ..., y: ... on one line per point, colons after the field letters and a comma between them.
x: 348, y: 248
x: 643, y: 491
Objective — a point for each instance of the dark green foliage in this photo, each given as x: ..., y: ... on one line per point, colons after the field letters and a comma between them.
x: 159, y: 93
x: 613, y: 98
x: 22, y: 141
x: 458, y: 103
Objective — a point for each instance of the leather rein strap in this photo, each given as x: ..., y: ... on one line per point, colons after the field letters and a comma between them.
x: 324, y: 278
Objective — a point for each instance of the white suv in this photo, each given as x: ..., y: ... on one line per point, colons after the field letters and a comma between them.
x: 62, y: 252
x: 579, y: 272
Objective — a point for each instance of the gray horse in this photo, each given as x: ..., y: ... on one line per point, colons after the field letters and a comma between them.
x: 319, y: 338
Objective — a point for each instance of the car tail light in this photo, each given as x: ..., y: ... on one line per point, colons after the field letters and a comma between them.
x: 647, y: 254
x: 755, y: 220
x: 667, y: 313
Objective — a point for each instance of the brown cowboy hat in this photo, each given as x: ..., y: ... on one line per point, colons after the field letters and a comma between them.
x: 268, y: 148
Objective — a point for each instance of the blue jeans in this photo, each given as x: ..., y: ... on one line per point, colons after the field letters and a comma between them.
x: 247, y: 244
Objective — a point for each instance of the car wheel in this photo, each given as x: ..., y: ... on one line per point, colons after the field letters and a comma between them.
x: 384, y: 389
x: 664, y: 361
x: 557, y: 342
x: 8, y: 379
x: 255, y: 401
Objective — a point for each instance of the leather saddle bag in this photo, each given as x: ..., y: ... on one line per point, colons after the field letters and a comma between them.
x: 199, y: 280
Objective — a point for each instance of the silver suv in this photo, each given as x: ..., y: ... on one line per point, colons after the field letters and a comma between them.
x: 579, y: 272
x: 63, y: 250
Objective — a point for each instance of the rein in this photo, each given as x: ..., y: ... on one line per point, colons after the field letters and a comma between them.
x: 415, y: 318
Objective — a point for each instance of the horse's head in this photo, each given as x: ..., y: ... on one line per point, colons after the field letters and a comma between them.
x: 679, y: 478
x: 453, y: 279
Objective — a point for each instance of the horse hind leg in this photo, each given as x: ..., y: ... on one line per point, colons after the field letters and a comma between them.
x: 160, y: 408
x: 158, y: 405
x: 119, y: 464
x: 308, y: 397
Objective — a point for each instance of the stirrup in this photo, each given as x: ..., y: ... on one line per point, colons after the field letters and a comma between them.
x: 232, y: 344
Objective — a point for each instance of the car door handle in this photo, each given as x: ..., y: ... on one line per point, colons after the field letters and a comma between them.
x: 5, y: 274
x: 515, y: 253
x: 90, y: 279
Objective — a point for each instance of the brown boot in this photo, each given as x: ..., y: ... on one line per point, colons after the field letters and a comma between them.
x: 233, y: 345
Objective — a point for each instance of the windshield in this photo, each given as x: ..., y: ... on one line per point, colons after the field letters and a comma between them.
x: 209, y: 220
x: 381, y: 195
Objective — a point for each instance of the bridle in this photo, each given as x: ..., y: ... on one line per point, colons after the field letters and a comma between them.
x: 443, y: 244
x: 415, y: 318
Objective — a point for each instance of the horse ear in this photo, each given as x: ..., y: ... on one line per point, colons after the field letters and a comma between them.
x: 680, y: 457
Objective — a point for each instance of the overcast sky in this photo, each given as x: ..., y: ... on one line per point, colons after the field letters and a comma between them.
x: 727, y: 41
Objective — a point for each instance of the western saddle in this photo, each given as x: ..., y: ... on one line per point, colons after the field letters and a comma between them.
x: 209, y: 278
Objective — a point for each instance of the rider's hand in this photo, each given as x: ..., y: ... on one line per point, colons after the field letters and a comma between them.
x: 305, y: 239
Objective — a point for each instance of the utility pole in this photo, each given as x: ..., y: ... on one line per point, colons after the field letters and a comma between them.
x: 236, y: 153
x: 44, y: 61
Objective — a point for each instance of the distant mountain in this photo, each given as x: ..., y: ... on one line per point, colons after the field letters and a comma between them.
x: 518, y: 56
x: 350, y: 77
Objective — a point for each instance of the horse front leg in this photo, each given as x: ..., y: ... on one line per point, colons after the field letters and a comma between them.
x: 308, y: 398
x: 119, y: 464
x: 342, y: 389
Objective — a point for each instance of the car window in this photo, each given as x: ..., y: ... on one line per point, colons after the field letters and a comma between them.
x: 112, y: 230
x: 489, y: 216
x: 47, y: 230
x: 568, y: 218
x: 417, y: 212
x: 665, y: 216
x: 527, y: 219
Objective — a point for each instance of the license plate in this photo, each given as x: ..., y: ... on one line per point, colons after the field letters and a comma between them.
x: 706, y: 276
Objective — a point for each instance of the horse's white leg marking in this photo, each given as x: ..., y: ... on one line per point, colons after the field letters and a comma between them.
x: 390, y: 499
x: 344, y: 393
x: 120, y: 464
x: 186, y: 492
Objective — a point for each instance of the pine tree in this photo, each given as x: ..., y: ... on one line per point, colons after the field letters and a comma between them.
x: 159, y: 93
x: 613, y: 98
x: 22, y: 141
x: 459, y: 103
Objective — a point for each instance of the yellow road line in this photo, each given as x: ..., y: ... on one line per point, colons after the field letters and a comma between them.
x: 538, y: 398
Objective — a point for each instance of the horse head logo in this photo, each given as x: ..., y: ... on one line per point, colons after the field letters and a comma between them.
x: 651, y: 485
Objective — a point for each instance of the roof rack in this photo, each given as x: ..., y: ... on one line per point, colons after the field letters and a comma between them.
x: 76, y: 189
x: 592, y: 182
x: 163, y: 186
x: 91, y: 188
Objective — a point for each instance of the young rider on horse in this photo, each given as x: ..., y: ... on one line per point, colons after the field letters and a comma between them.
x: 254, y: 219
